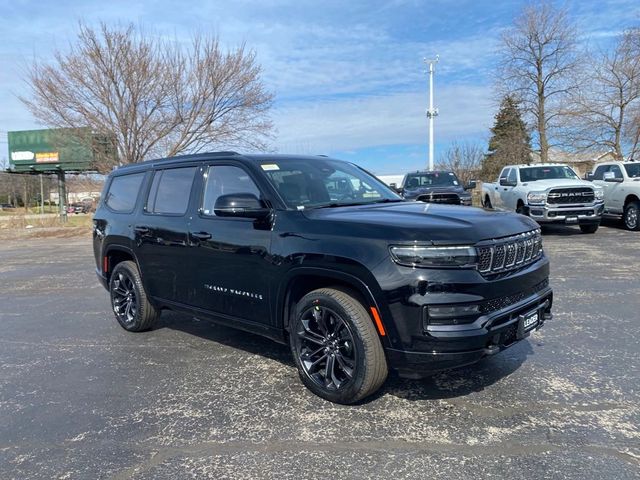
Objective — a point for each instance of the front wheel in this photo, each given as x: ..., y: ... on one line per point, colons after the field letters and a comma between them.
x: 590, y: 228
x: 336, y: 347
x: 487, y: 202
x: 632, y: 216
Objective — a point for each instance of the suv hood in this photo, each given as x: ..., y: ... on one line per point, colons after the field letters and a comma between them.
x: 417, y: 221
x: 542, y: 185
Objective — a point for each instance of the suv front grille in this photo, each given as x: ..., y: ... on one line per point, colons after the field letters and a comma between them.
x: 449, y: 198
x: 566, y: 196
x: 496, y: 304
x: 509, y: 253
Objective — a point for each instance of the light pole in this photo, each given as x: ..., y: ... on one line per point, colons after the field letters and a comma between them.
x: 431, y: 112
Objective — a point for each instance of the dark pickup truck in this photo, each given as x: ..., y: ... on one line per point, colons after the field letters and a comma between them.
x: 436, y: 186
x: 356, y: 283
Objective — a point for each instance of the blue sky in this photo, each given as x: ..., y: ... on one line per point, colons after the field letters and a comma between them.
x: 348, y: 76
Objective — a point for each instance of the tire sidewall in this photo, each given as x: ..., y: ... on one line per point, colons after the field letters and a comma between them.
x: 346, y: 394
x: 124, y: 267
x: 632, y: 206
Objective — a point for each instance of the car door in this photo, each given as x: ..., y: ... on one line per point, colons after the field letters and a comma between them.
x: 161, y: 240
x: 615, y: 190
x: 230, y: 259
x: 499, y: 190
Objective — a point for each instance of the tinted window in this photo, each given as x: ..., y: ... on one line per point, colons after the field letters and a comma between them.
x: 599, y: 173
x: 431, y: 179
x: 505, y: 173
x: 224, y: 180
x: 531, y: 174
x: 170, y: 191
x: 633, y: 171
x: 304, y: 183
x: 616, y: 171
x: 123, y: 192
x: 513, y: 175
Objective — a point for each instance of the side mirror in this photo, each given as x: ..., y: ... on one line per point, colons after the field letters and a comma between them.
x: 245, y: 205
x: 611, y: 177
x: 589, y: 176
x: 506, y: 183
x: 471, y: 185
x: 393, y: 186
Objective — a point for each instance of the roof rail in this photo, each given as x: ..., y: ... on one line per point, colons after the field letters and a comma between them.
x: 223, y: 152
x: 322, y: 155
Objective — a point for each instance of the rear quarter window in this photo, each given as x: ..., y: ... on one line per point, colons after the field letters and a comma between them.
x: 123, y: 192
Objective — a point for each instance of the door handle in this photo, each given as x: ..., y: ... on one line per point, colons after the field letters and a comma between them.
x: 201, y: 235
x: 141, y: 229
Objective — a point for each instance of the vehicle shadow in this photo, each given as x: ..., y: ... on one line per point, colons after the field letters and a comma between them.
x: 461, y: 381
x: 442, y: 385
x: 561, y: 230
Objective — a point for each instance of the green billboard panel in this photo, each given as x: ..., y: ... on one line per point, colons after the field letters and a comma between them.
x: 69, y: 150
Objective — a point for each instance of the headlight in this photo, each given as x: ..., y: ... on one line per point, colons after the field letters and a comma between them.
x: 414, y: 256
x: 537, y: 197
x: 599, y: 193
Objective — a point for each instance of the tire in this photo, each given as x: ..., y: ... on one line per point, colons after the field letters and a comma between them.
x: 129, y: 301
x: 336, y: 347
x: 520, y: 208
x: 487, y: 202
x: 590, y: 228
x: 631, y: 216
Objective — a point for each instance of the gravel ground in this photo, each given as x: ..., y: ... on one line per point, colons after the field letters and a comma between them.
x: 82, y: 398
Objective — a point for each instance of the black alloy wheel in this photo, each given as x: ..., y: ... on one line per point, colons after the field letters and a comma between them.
x: 326, y: 348
x: 124, y: 298
x: 336, y: 347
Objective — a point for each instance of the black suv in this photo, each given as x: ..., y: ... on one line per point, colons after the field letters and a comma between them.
x: 356, y: 279
x: 436, y: 186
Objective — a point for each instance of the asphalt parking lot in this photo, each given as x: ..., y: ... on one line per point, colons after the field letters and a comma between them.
x: 82, y: 398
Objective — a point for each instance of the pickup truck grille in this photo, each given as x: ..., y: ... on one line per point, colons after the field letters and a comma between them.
x: 449, y: 198
x: 567, y: 196
x: 509, y: 253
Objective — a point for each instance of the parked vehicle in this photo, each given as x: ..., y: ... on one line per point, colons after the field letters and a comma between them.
x: 6, y: 206
x: 355, y: 285
x: 435, y: 186
x: 548, y: 193
x: 621, y: 184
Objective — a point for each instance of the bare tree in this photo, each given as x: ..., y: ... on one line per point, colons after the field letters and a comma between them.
x: 538, y: 60
x: 463, y: 159
x: 150, y: 97
x: 603, y: 111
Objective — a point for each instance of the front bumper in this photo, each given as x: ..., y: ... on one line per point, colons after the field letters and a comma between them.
x: 459, y: 345
x: 569, y: 214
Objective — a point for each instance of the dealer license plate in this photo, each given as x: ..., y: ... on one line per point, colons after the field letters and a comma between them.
x: 530, y: 320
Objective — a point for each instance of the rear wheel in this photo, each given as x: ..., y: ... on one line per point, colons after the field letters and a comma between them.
x: 129, y: 300
x: 336, y: 347
x: 590, y: 228
x: 631, y: 216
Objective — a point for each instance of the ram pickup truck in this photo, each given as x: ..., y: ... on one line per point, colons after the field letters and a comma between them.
x: 355, y: 279
x: 435, y: 186
x: 621, y: 184
x: 548, y: 193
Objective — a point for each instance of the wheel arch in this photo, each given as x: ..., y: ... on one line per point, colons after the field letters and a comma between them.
x: 631, y: 198
x: 303, y: 280
x: 115, y: 254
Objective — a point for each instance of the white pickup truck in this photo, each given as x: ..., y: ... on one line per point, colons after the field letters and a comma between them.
x: 548, y: 193
x: 621, y: 184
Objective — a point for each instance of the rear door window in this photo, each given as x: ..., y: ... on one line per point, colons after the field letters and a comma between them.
x: 123, y: 192
x: 170, y: 191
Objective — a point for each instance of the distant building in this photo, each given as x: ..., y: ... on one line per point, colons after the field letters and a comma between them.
x: 581, y: 162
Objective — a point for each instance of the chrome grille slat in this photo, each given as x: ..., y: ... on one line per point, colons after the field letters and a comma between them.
x: 510, y: 253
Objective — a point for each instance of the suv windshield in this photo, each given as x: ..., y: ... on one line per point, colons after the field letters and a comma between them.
x: 633, y: 171
x: 531, y: 174
x: 431, y: 179
x: 324, y: 183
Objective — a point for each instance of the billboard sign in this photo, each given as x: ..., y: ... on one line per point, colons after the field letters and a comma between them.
x: 51, y: 150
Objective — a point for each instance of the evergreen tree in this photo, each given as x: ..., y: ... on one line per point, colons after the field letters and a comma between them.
x: 510, y: 141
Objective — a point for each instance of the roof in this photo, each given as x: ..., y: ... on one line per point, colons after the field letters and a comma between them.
x: 260, y: 157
